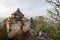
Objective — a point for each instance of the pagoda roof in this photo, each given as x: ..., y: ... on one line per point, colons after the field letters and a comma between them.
x: 17, y: 12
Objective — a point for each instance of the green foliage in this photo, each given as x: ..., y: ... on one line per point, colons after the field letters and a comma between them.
x: 46, y: 27
x: 3, y: 34
x: 39, y: 23
x: 51, y: 30
x: 39, y: 18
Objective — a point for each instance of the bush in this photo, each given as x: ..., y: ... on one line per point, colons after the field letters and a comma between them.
x: 3, y: 34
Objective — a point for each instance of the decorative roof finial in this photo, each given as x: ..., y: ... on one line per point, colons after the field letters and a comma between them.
x: 18, y: 10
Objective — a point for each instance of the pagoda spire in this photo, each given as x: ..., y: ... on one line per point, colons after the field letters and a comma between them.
x: 18, y: 10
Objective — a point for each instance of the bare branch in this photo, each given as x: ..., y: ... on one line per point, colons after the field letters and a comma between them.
x: 51, y: 12
x: 57, y: 11
x: 54, y: 3
x: 54, y: 18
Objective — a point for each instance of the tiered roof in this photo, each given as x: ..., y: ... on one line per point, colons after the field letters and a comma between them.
x: 16, y: 16
x: 17, y: 13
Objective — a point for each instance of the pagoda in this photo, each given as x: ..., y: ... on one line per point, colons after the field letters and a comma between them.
x: 17, y: 18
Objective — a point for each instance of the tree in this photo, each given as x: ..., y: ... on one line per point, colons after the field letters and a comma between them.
x: 32, y: 23
x: 55, y: 15
x: 39, y: 18
x: 39, y: 23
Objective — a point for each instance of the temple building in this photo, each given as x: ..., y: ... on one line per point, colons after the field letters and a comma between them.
x: 17, y: 22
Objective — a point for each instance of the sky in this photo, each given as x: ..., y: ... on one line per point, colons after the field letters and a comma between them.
x: 30, y: 8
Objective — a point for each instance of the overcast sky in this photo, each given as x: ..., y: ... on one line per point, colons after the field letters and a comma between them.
x: 29, y: 8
